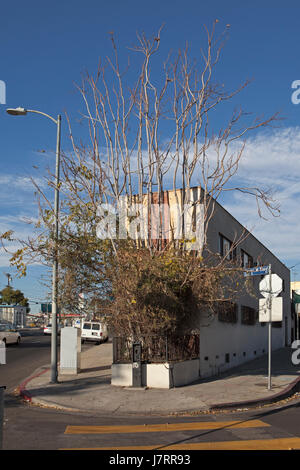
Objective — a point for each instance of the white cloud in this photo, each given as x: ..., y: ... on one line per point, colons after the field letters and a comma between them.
x: 18, y: 206
x: 21, y: 231
x: 16, y: 191
x: 272, y: 160
x: 272, y: 157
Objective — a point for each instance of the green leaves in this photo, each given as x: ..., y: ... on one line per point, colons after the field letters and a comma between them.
x: 13, y: 297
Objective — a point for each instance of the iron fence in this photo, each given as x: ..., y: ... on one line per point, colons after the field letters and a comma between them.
x: 156, y: 349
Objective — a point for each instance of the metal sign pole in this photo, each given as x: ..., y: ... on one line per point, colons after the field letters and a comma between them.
x: 270, y: 330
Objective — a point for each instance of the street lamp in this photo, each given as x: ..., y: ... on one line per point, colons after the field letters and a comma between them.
x: 22, y: 112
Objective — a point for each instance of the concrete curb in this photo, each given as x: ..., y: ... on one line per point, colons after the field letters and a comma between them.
x: 25, y: 394
x: 286, y: 393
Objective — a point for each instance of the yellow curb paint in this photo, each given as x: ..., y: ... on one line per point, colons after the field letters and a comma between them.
x: 194, y: 426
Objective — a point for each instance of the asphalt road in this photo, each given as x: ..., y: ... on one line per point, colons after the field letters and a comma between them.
x: 22, y: 360
x: 27, y: 427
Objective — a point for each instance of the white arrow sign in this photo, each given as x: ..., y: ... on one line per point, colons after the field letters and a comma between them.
x: 264, y: 285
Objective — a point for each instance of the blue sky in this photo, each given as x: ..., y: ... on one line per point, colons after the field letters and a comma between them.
x: 47, y: 46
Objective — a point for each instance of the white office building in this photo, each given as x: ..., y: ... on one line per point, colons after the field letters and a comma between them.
x: 13, y: 314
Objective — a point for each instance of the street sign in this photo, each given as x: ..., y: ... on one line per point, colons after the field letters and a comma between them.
x: 276, y: 283
x: 46, y: 308
x: 276, y: 313
x: 257, y: 271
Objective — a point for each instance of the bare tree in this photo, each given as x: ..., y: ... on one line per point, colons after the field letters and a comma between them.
x: 150, y: 136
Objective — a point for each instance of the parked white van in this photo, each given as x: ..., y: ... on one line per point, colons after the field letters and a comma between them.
x: 94, y: 331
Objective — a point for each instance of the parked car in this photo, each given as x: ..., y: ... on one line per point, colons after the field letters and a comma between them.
x: 48, y: 329
x: 94, y: 331
x: 9, y: 335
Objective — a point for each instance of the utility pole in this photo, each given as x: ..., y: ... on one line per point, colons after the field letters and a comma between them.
x: 9, y: 278
x: 54, y: 345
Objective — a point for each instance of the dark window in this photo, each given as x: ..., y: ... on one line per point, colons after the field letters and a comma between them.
x: 249, y: 315
x: 246, y: 260
x: 227, y: 312
x: 225, y: 247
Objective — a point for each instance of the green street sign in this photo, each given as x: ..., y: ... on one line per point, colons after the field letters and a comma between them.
x: 46, y: 308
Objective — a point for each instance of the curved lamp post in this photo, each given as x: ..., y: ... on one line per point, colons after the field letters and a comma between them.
x: 22, y: 112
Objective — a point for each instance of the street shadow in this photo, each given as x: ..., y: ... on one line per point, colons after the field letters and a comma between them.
x: 12, y: 401
x: 70, y: 387
x: 230, y: 425
x: 95, y: 369
x: 265, y: 414
x: 24, y: 345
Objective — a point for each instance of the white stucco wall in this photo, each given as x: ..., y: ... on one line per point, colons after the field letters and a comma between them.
x: 121, y: 375
x: 241, y: 342
x: 158, y: 375
x: 164, y: 375
x: 236, y: 339
x: 185, y: 372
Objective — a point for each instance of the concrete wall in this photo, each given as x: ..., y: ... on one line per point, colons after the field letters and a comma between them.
x: 223, y: 346
x: 164, y: 375
x: 158, y: 375
x: 121, y: 375
x: 185, y: 372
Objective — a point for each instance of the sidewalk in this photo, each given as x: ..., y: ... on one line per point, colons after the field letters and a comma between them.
x: 91, y: 391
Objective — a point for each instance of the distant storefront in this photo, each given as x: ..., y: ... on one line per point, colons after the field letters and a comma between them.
x: 13, y: 314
